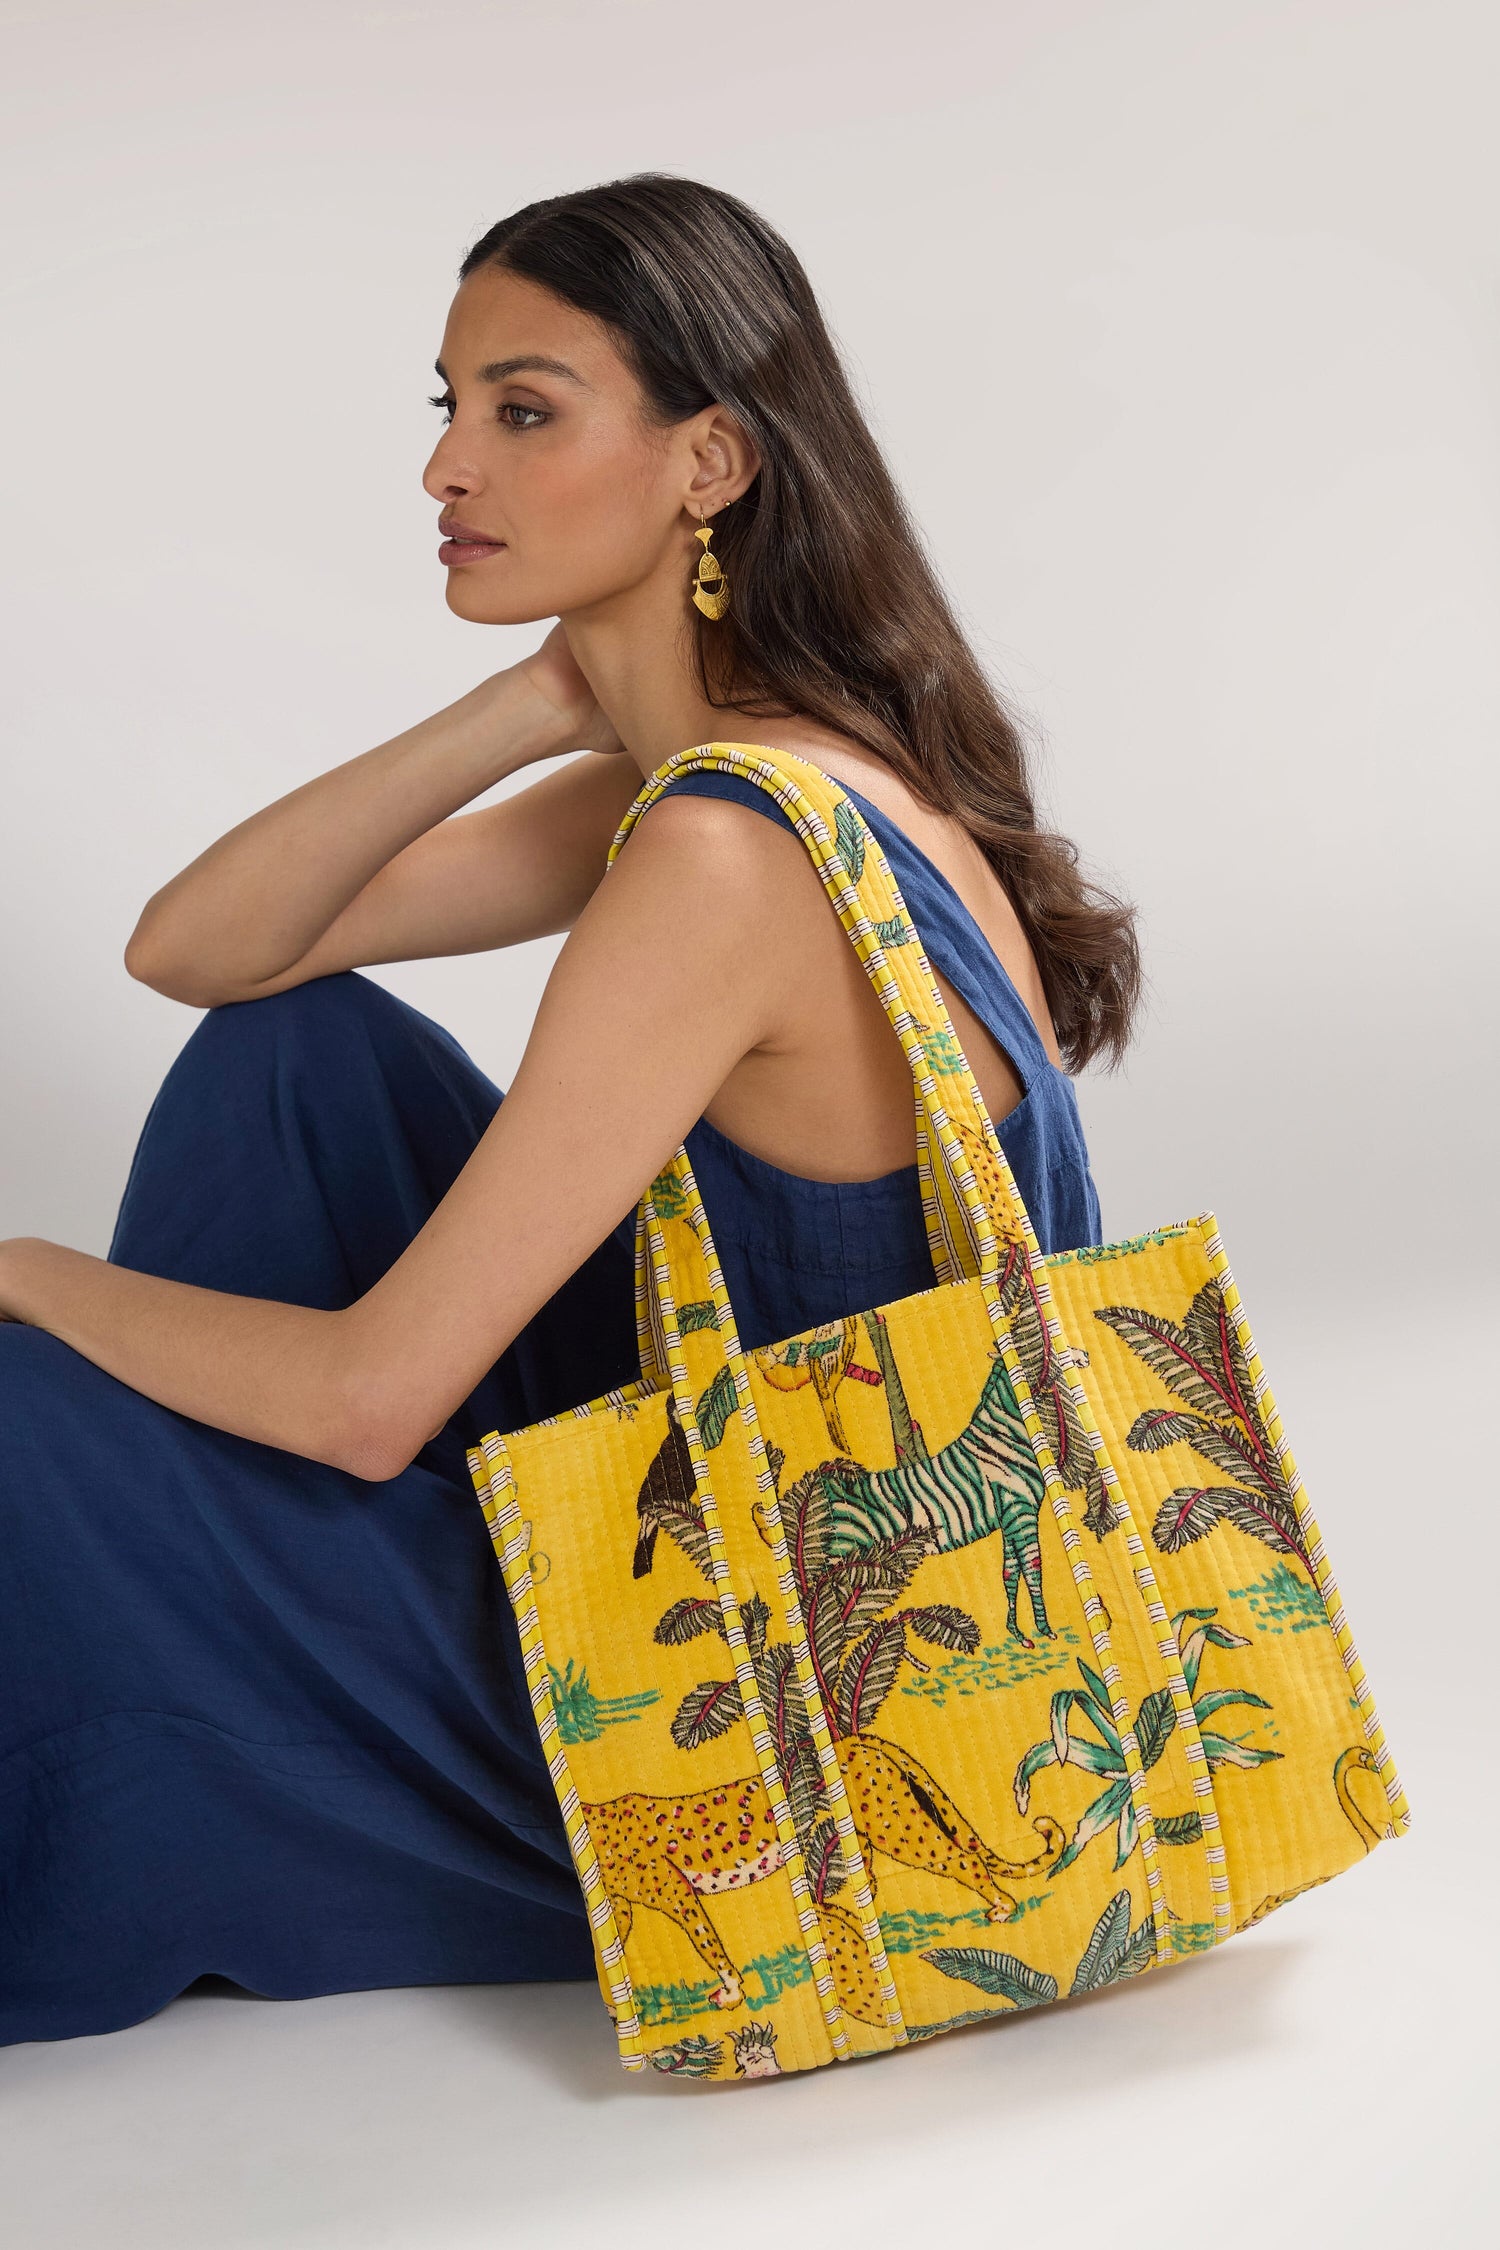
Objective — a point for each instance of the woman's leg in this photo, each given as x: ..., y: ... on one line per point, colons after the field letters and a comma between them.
x: 299, y: 1142
x: 256, y: 1717
x: 259, y: 1716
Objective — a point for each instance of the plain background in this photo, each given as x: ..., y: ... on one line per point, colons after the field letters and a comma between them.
x: 1180, y: 325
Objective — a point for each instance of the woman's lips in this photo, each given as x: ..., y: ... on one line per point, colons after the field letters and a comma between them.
x: 468, y: 550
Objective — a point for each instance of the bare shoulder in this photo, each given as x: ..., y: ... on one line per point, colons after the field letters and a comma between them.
x: 690, y: 837
x: 694, y: 908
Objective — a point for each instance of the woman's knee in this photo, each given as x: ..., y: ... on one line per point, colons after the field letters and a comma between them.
x: 337, y: 1033
x: 312, y: 1018
x: 232, y: 1117
x: 300, y: 1137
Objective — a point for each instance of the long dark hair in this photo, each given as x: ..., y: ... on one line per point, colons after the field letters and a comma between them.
x: 836, y: 614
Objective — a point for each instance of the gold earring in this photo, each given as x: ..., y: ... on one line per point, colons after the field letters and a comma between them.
x: 711, y: 587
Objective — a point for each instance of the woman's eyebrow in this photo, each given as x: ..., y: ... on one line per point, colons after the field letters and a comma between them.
x: 535, y: 363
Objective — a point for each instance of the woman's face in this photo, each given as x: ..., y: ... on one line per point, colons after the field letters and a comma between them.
x: 550, y: 457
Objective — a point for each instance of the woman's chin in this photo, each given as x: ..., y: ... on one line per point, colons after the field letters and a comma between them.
x: 486, y: 595
x: 479, y: 606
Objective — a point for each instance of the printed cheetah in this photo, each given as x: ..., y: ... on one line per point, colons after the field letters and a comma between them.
x: 673, y: 1853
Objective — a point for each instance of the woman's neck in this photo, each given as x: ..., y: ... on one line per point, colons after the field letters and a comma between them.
x: 637, y: 656
x: 637, y: 653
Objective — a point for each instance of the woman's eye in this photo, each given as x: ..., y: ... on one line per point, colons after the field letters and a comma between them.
x: 534, y: 414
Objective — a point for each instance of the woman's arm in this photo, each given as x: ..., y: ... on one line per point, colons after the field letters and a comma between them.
x: 671, y: 973
x: 363, y: 864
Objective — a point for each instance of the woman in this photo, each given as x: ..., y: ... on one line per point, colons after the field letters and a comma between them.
x: 263, y: 1711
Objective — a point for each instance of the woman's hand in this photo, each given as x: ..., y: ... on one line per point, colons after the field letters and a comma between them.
x: 554, y: 672
x: 195, y: 1349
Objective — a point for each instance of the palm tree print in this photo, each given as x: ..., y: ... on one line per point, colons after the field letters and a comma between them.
x: 1201, y: 1361
x: 1100, y: 1752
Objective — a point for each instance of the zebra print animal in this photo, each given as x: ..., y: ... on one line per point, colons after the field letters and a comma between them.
x: 986, y: 1480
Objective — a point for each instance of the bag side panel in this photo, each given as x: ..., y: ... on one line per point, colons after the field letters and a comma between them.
x: 656, y: 1764
x: 1297, y: 1783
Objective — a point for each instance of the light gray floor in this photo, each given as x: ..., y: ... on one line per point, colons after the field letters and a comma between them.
x: 1325, y: 2078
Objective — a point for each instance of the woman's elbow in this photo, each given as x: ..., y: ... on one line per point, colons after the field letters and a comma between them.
x: 370, y: 1455
x: 155, y: 965
x: 142, y: 957
x: 372, y: 1450
x: 374, y: 1436
x: 177, y: 976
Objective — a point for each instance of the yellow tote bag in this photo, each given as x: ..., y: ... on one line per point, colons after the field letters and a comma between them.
x: 971, y: 1652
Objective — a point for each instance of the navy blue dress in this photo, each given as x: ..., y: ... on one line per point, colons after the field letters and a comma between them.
x: 259, y: 1717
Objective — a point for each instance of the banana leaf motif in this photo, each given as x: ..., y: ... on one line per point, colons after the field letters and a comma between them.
x: 669, y: 1502
x: 1102, y: 1754
x: 849, y: 834
x: 1200, y: 1360
x: 1113, y: 1951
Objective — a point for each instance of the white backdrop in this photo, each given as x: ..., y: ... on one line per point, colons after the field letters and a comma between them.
x: 1179, y: 322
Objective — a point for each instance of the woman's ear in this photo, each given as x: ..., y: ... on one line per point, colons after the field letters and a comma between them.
x: 725, y: 461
